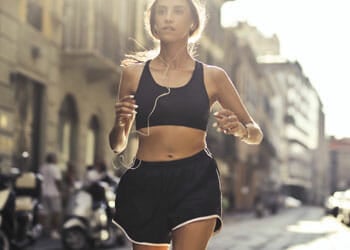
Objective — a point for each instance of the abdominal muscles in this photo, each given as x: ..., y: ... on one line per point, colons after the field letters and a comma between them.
x: 166, y: 143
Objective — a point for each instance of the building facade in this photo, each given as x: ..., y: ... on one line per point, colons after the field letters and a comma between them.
x: 300, y: 128
x: 59, y: 63
x: 339, y: 171
x: 31, y: 33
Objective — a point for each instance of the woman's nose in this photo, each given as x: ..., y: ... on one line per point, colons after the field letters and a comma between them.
x: 169, y: 16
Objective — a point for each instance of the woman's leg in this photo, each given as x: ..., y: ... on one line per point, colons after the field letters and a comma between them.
x: 143, y: 247
x: 193, y: 236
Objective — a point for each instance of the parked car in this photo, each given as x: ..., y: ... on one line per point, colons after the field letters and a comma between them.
x: 344, y: 208
x: 291, y: 202
x: 333, y: 202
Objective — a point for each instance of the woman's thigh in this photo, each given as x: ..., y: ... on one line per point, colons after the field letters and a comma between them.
x: 193, y: 236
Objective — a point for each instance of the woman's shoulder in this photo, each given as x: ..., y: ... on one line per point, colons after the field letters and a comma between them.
x: 133, y: 71
x: 213, y: 72
x: 133, y: 67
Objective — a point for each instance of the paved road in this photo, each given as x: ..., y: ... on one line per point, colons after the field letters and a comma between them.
x: 304, y: 228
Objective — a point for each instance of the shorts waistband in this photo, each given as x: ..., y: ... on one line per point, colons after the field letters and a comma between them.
x: 203, y: 153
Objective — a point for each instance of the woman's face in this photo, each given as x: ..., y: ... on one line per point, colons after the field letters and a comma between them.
x: 173, y: 20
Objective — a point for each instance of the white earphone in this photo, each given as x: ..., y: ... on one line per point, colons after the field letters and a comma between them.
x: 120, y: 156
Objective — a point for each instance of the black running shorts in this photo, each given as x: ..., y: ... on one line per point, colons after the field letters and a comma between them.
x: 155, y: 198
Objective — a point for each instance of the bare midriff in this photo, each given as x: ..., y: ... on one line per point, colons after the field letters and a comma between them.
x: 167, y: 143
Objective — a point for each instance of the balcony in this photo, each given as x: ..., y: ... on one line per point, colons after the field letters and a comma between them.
x: 92, y: 46
x: 95, y: 65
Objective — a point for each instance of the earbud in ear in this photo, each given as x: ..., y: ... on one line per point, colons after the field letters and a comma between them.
x: 192, y: 27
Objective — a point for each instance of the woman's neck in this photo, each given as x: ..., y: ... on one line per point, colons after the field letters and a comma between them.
x: 174, y: 56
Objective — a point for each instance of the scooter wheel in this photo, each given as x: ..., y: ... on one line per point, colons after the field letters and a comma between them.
x: 75, y: 238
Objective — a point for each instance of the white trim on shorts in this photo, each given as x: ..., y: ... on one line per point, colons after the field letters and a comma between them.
x: 138, y: 242
x: 200, y: 219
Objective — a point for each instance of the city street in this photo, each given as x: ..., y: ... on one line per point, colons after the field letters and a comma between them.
x: 304, y: 228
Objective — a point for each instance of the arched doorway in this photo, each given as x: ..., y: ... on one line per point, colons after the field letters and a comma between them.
x: 68, y: 129
x: 92, y: 141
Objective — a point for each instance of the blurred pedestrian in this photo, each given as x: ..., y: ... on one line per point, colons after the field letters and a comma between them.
x: 68, y: 182
x: 101, y: 167
x: 171, y: 192
x: 51, y: 195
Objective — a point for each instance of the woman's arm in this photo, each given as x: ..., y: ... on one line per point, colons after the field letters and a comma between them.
x: 234, y: 118
x: 124, y: 111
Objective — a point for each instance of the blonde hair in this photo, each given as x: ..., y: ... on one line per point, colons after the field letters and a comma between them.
x: 199, y: 21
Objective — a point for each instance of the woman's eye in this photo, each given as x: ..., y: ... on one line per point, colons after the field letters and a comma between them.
x: 161, y: 11
x: 178, y: 11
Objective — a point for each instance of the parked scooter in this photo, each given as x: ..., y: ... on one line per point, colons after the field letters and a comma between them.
x: 116, y: 235
x: 18, y: 206
x: 7, y: 202
x: 4, y: 242
x: 87, y: 221
x: 27, y: 188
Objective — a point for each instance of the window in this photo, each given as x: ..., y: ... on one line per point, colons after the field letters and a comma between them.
x: 4, y: 120
x: 35, y: 14
x: 92, y: 141
x: 6, y: 144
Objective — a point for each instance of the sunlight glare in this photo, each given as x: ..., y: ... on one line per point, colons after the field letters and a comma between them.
x: 314, y: 33
x: 313, y: 227
x: 330, y: 230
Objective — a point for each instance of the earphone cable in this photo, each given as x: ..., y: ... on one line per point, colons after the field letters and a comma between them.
x: 147, y: 133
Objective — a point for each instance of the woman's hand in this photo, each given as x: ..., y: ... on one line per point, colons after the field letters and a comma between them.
x: 227, y: 122
x: 125, y: 110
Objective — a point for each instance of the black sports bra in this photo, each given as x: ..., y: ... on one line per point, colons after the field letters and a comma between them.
x: 187, y: 105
